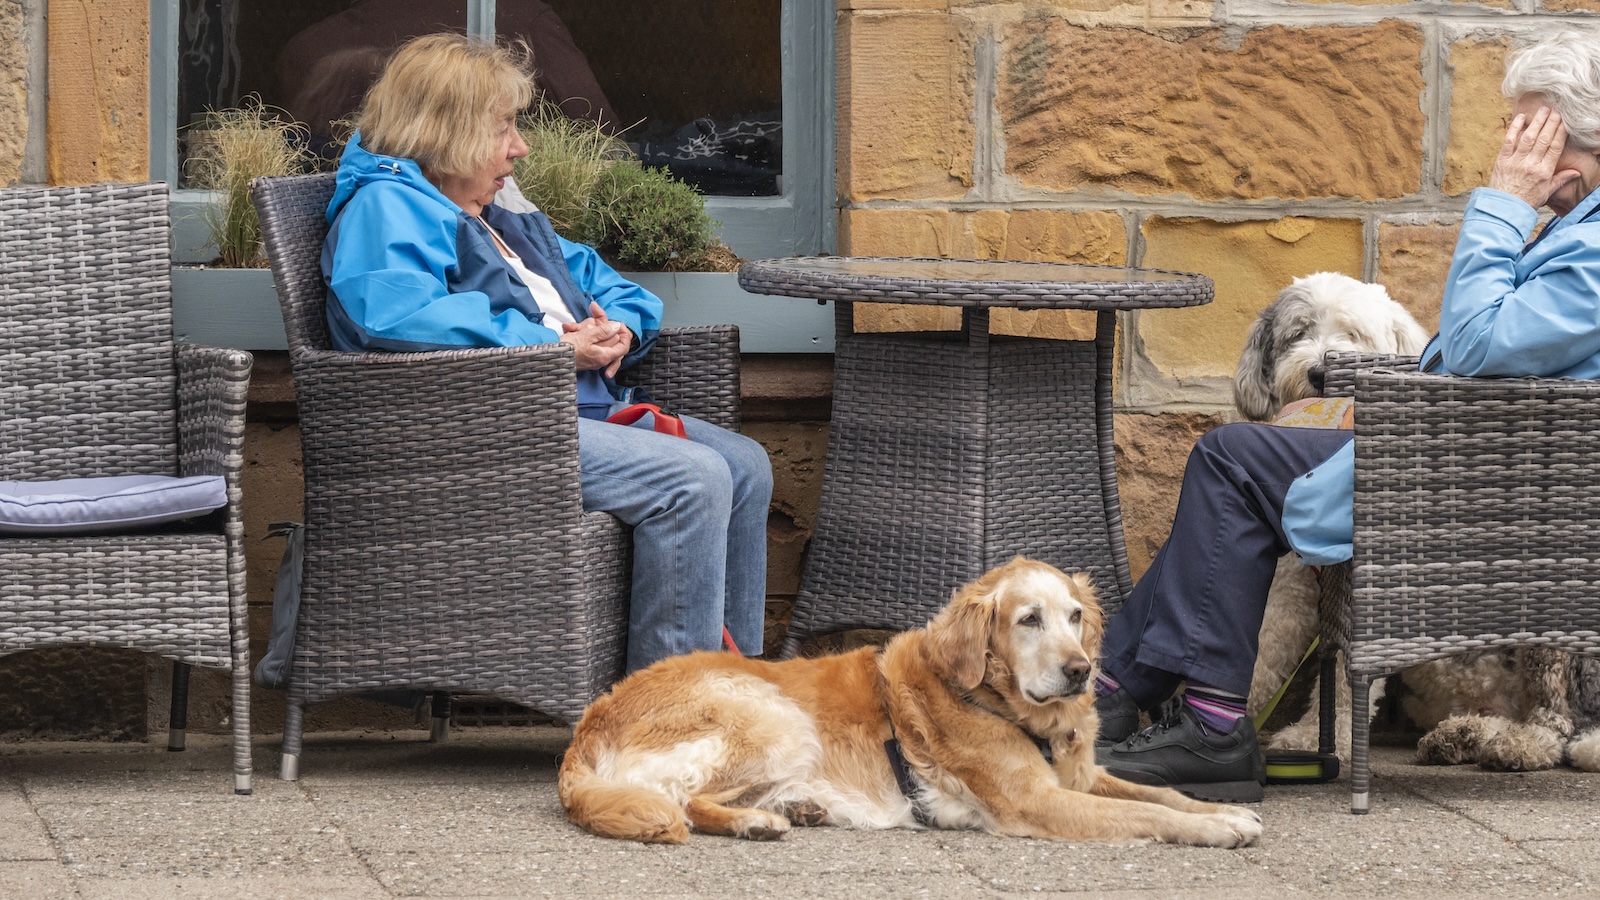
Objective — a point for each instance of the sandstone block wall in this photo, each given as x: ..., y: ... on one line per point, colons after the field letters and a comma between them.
x: 1252, y: 141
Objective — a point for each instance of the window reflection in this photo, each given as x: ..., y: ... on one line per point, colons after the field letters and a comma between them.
x: 693, y: 85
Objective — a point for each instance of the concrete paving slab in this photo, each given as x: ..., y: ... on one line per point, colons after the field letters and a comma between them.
x: 1011, y: 865
x: 1557, y: 804
x: 512, y: 817
x: 36, y: 881
x: 252, y: 888
x: 478, y: 817
x: 607, y: 873
x: 153, y: 834
x: 22, y: 832
x: 829, y: 851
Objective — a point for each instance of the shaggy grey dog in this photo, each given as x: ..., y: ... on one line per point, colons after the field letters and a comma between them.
x: 1316, y: 315
x: 1522, y: 710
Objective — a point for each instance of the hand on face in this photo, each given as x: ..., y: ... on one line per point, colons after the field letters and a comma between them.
x: 1527, y: 165
x: 598, y: 341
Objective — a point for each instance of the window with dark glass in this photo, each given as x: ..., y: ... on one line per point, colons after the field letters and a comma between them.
x: 692, y: 85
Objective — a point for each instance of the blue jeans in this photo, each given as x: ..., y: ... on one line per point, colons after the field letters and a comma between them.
x: 699, y: 514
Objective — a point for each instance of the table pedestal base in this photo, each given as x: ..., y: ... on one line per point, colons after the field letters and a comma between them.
x: 948, y: 456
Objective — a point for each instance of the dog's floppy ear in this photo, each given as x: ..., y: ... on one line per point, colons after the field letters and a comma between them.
x: 958, y: 637
x: 1409, y: 338
x: 1252, y: 383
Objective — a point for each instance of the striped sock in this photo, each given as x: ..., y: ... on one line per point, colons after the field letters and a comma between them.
x: 1105, y: 685
x: 1217, y: 711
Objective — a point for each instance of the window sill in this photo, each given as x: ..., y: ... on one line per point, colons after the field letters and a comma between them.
x: 239, y: 308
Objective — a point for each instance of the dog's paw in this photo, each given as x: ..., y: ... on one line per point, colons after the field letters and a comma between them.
x: 805, y: 813
x: 760, y: 825
x: 1240, y: 812
x: 1521, y: 748
x: 1584, y: 751
x: 1456, y: 740
x: 1229, y: 831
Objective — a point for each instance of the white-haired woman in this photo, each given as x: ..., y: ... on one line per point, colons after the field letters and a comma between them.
x: 419, y: 257
x: 1515, y: 303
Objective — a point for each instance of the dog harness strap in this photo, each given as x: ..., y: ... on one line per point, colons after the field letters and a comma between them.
x: 905, y: 780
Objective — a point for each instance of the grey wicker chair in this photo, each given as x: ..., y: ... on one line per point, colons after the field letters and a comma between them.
x: 446, y: 546
x: 1475, y: 524
x: 92, y: 384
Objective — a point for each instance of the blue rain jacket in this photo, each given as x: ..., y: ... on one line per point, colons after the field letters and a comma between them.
x: 1511, y: 308
x: 407, y: 270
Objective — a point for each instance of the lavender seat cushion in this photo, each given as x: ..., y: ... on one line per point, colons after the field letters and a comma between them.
x: 115, y: 503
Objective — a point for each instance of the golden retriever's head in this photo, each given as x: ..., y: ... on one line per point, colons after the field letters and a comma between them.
x: 1025, y: 629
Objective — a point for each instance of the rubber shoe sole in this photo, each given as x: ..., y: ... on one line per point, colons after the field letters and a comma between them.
x: 1214, y: 791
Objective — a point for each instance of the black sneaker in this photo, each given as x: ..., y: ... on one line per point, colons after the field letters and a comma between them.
x: 1178, y: 753
x: 1119, y: 717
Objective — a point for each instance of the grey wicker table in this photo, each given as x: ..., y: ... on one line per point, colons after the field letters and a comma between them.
x: 949, y: 453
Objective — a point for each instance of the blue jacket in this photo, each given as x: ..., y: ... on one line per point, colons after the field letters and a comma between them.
x: 1510, y: 309
x: 407, y: 270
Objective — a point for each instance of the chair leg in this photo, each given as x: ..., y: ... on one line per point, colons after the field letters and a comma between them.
x: 243, y: 765
x: 1327, y: 701
x: 178, y: 718
x: 1360, y: 734
x: 294, y: 722
x: 441, y: 717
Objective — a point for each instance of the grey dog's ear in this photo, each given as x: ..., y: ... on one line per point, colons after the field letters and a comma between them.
x: 1253, y: 392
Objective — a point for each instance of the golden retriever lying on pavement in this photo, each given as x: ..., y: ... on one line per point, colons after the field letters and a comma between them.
x: 745, y: 748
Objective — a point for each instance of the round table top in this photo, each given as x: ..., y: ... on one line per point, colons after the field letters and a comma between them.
x: 974, y: 282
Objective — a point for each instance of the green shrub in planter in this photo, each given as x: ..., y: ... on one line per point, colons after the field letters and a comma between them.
x: 595, y: 192
x: 651, y: 220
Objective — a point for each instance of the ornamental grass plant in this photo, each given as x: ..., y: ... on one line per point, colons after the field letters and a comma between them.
x: 229, y: 148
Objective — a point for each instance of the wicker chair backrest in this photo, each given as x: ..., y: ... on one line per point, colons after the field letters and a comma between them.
x: 88, y: 384
x: 294, y: 223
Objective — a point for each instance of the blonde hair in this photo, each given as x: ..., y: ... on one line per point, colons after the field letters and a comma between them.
x: 440, y: 101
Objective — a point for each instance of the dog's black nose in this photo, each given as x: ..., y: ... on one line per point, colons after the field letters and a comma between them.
x: 1318, y: 376
x: 1077, y: 671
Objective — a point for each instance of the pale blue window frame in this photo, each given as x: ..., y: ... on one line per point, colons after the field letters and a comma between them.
x: 799, y: 221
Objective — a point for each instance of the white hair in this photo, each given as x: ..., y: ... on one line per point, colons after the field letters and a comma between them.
x: 1565, y: 69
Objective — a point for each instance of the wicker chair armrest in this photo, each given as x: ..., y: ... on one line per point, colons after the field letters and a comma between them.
x: 693, y: 371
x: 491, y: 421
x: 1474, y: 515
x: 1340, y: 368
x: 213, y: 385
x: 456, y: 470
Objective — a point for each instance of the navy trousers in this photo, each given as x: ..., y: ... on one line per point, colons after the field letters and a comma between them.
x: 1196, y: 614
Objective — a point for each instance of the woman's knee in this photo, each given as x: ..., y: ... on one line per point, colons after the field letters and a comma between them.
x: 750, y: 465
x: 699, y: 477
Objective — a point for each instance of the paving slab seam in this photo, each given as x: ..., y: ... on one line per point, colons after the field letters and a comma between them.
x: 337, y: 824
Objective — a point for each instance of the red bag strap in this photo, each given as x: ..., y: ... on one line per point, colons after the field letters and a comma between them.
x: 664, y: 423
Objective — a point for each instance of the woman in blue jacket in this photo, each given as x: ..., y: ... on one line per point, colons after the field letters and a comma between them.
x: 419, y: 257
x: 1254, y: 492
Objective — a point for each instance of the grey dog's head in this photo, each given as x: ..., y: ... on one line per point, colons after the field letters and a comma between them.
x: 1315, y: 315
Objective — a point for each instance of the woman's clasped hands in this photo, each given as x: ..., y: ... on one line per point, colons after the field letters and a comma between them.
x: 599, y: 342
